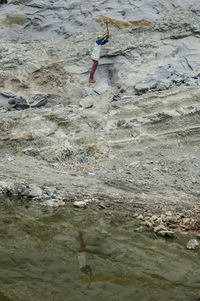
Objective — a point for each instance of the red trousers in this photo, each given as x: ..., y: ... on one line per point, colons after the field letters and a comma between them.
x: 94, y: 68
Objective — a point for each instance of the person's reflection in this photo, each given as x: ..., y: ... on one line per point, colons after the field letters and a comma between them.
x: 84, y: 268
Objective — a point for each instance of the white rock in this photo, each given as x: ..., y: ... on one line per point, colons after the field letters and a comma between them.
x: 141, y: 217
x: 81, y: 204
x: 192, y: 244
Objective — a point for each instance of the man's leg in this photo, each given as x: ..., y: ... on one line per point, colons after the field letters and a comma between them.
x: 82, y: 244
x: 94, y: 68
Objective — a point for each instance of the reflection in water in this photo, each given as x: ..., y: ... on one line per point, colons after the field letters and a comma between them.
x: 39, y: 249
x: 84, y: 268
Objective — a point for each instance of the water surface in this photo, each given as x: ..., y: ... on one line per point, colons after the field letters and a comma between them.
x: 39, y: 250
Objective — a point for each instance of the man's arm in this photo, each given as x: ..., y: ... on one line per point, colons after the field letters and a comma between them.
x: 104, y: 42
x: 106, y: 38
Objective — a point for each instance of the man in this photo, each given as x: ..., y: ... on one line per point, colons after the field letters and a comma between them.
x: 4, y: 1
x: 96, y: 53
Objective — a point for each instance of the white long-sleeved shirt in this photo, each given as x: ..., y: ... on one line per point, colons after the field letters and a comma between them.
x: 97, y: 47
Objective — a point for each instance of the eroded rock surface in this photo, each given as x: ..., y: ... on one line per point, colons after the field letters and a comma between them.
x: 132, y: 139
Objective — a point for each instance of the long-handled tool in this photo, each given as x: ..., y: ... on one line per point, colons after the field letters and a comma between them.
x: 107, y: 22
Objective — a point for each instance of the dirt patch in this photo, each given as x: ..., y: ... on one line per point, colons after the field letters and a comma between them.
x: 122, y: 24
x: 12, y: 19
x: 53, y: 74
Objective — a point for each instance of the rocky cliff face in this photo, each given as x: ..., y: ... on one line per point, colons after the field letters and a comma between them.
x: 134, y: 135
x: 154, y: 45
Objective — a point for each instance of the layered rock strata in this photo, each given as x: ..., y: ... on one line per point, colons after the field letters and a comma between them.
x: 132, y: 139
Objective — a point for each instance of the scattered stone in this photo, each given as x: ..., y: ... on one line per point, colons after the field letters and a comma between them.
x: 148, y: 223
x: 134, y: 134
x: 154, y: 218
x: 126, y: 97
x: 49, y: 203
x: 8, y: 94
x: 171, y: 219
x: 139, y: 229
x: 89, y: 91
x: 115, y: 98
x: 101, y: 87
x: 18, y: 103
x: 101, y: 205
x: 192, y: 244
x: 81, y: 204
x: 4, y: 187
x: 145, y: 87
x: 38, y: 101
x: 140, y: 217
x: 130, y: 181
x: 169, y: 213
x: 167, y: 233
x: 163, y: 231
x: 80, y: 157
x: 120, y: 123
x: 33, y: 191
x: 150, y: 162
x: 87, y: 102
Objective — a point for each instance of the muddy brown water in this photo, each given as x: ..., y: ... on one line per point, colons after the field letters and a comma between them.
x: 39, y: 250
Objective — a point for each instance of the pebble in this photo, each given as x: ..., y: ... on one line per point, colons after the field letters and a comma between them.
x: 167, y: 233
x: 130, y: 181
x: 48, y: 203
x: 169, y: 213
x: 134, y: 135
x: 81, y: 204
x: 154, y: 218
x: 192, y: 244
x: 32, y: 191
x: 160, y: 227
x: 101, y: 205
x: 148, y: 224
x: 163, y: 231
x: 149, y: 162
x: 140, y: 217
x: 139, y: 229
x: 171, y: 219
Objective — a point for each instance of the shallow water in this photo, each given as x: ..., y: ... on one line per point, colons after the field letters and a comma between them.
x: 39, y: 251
